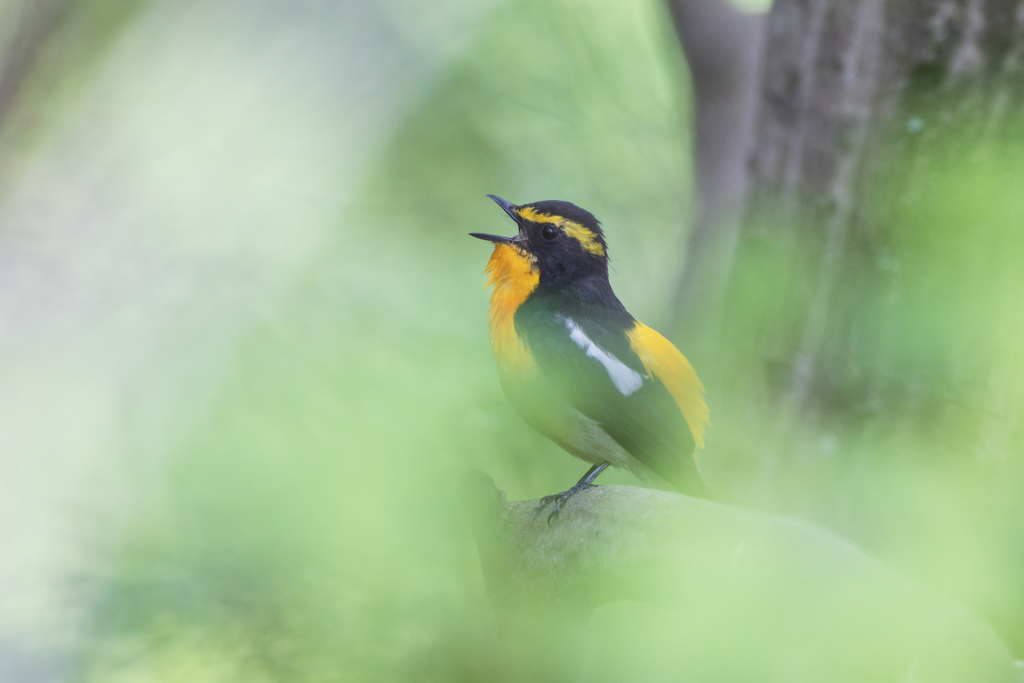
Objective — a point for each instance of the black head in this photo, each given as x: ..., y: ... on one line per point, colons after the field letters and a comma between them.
x: 567, y: 241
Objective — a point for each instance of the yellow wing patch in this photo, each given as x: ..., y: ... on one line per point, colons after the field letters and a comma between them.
x: 514, y: 276
x: 585, y: 236
x: 664, y: 361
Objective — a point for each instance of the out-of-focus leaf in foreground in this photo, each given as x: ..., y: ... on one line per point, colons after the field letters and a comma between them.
x: 312, y: 529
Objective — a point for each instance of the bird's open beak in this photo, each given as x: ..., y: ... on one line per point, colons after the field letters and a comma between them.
x: 509, y: 208
x: 497, y: 239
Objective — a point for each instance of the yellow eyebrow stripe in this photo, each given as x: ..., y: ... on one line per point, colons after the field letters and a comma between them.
x: 585, y: 236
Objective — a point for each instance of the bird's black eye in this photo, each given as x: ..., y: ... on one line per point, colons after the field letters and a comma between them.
x: 549, y: 232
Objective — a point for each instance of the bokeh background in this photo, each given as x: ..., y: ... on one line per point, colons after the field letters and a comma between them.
x: 243, y: 341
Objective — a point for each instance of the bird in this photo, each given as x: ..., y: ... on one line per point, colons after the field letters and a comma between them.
x: 576, y: 366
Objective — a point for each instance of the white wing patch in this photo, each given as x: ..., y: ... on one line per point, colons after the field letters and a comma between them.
x: 626, y: 379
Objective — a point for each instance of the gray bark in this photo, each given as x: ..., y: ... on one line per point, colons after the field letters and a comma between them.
x: 828, y: 82
x: 723, y: 48
x: 842, y: 82
x: 792, y: 590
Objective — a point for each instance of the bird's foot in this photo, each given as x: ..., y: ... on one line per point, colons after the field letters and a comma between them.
x: 559, y: 499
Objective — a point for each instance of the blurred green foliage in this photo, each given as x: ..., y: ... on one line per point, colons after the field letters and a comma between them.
x: 911, y: 441
x: 312, y: 529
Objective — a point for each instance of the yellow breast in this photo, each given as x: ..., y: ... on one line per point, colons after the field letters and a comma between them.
x: 514, y: 275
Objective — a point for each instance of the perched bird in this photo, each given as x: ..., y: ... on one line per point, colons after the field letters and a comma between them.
x: 576, y: 365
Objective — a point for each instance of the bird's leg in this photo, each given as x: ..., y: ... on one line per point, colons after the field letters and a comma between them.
x: 586, y: 482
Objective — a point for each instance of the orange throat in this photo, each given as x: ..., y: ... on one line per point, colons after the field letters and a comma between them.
x: 514, y: 275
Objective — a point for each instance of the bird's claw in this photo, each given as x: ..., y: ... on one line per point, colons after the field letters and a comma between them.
x: 544, y: 502
x: 558, y: 499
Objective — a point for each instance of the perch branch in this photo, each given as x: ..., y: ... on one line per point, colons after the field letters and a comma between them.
x: 798, y: 586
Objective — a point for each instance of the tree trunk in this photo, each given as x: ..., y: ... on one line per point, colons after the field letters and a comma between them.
x: 874, y: 292
x: 845, y: 84
x: 723, y: 49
